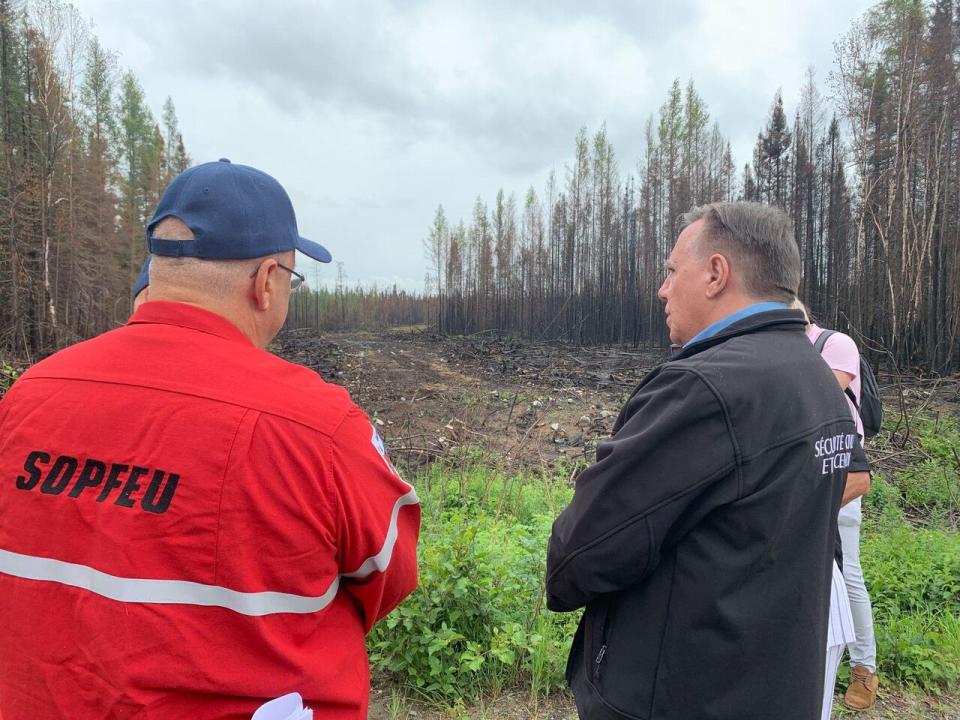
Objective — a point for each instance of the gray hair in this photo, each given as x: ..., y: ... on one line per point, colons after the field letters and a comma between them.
x: 759, y: 241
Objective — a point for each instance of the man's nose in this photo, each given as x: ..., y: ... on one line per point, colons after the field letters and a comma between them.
x: 662, y: 292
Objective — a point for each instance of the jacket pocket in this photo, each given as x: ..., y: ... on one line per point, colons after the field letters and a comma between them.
x: 622, y: 657
x: 597, y: 629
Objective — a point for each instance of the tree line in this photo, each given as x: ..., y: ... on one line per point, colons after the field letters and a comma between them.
x: 867, y: 167
x: 871, y: 182
x: 357, y: 308
x: 82, y: 164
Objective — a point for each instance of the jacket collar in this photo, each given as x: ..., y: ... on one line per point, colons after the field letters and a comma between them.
x: 791, y: 319
x: 192, y: 317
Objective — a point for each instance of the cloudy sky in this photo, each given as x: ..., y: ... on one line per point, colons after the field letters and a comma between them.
x: 373, y: 113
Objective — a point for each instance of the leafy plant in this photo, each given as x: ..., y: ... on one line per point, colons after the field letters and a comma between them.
x: 8, y: 374
x: 477, y: 621
x: 914, y: 581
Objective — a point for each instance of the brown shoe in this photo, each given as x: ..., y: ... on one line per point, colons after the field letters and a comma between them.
x: 862, y: 692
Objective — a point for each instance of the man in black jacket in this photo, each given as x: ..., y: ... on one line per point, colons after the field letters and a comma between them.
x: 701, y: 540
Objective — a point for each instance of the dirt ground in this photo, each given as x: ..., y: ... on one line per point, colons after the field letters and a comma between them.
x: 518, y: 404
x: 514, y: 404
x: 389, y: 704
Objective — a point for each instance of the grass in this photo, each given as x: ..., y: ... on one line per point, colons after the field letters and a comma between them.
x: 477, y: 624
x: 930, y: 486
x: 913, y: 575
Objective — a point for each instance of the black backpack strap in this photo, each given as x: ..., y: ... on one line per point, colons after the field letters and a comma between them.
x: 853, y: 398
x: 822, y: 340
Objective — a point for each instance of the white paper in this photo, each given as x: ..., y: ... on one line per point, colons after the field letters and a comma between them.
x: 287, y: 707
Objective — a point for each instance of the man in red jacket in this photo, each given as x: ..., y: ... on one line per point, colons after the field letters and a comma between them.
x: 189, y: 525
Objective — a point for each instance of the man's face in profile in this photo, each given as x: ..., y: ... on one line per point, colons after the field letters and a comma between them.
x: 682, y: 291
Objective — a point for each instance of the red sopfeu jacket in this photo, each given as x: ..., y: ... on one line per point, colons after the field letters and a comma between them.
x: 190, y: 526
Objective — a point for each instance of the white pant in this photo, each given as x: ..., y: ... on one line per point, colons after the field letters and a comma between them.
x: 830, y: 679
x: 864, y: 650
x: 839, y: 632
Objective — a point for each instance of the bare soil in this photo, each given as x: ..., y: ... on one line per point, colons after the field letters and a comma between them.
x: 519, y: 404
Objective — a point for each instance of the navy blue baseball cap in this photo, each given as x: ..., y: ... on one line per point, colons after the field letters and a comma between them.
x: 234, y: 211
x: 143, y: 279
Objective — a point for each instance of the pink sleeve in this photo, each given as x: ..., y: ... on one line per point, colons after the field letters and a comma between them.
x: 840, y: 353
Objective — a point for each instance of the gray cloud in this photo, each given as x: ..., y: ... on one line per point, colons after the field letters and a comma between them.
x: 517, y: 80
x: 372, y: 113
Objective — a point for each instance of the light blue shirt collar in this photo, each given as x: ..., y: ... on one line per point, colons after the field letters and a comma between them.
x: 725, y: 322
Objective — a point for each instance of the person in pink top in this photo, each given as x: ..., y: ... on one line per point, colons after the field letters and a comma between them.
x: 841, y: 354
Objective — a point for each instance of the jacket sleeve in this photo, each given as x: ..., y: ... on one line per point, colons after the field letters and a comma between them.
x: 669, y: 463
x: 378, y: 520
x: 858, y: 458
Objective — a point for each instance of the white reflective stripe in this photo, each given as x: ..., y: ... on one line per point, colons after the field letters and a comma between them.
x: 381, y: 560
x: 177, y: 592
x: 185, y: 592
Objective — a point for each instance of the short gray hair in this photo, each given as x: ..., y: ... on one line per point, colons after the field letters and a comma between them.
x: 759, y: 241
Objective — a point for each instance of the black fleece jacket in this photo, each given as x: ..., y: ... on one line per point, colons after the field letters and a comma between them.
x: 701, y: 540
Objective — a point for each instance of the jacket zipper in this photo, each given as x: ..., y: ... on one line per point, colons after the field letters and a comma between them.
x: 603, y: 646
x: 598, y: 661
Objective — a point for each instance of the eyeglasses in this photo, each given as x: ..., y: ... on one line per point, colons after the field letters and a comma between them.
x: 296, y: 279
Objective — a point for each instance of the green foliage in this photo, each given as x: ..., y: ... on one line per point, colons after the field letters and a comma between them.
x: 921, y: 650
x: 940, y: 436
x: 477, y: 621
x: 914, y: 581
x: 882, y: 506
x: 8, y: 373
x: 930, y: 486
x: 485, y: 492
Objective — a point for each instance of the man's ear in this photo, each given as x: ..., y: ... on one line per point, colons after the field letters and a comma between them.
x: 264, y: 284
x: 718, y: 275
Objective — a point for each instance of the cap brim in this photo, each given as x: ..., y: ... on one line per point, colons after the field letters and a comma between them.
x: 314, y: 250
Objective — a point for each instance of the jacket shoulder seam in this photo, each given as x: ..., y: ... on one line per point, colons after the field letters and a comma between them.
x: 727, y: 419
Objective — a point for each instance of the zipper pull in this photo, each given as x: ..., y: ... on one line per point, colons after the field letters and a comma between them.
x: 596, y: 666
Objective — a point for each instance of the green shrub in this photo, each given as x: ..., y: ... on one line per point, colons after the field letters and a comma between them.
x: 8, y: 373
x: 931, y: 485
x: 488, y: 492
x: 921, y: 650
x: 882, y: 506
x: 914, y: 581
x: 477, y: 621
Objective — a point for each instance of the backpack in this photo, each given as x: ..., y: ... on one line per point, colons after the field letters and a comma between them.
x: 869, y: 408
